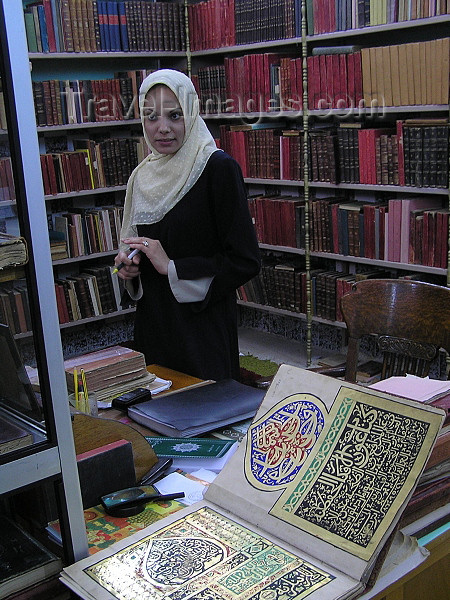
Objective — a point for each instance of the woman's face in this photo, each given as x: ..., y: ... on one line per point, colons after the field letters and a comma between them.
x: 163, y: 120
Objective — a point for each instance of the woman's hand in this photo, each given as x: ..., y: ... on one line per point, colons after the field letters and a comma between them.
x: 130, y: 270
x: 153, y: 250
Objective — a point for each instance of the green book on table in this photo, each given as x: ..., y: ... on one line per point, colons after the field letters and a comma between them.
x: 194, y: 453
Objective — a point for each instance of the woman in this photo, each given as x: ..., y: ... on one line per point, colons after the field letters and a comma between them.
x: 186, y: 211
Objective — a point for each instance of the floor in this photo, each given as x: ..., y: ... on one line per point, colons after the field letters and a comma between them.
x: 273, y: 347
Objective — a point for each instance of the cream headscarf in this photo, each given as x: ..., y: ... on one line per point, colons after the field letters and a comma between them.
x: 161, y: 180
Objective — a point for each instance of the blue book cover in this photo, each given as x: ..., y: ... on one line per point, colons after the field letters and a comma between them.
x: 56, y: 25
x: 123, y: 26
x: 103, y: 25
x: 113, y: 25
x: 43, y: 28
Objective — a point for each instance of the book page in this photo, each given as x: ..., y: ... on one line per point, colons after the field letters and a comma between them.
x: 202, y: 552
x: 267, y: 479
x: 360, y: 475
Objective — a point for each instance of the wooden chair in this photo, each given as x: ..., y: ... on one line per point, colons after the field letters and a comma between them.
x: 410, y: 318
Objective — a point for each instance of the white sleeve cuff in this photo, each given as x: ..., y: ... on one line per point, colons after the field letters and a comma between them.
x: 187, y: 290
x: 135, y: 294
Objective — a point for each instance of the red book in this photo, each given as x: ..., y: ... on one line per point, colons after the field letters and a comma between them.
x: 351, y: 97
x: 331, y: 24
x: 369, y: 230
x: 394, y: 228
x: 312, y: 81
x: 408, y: 205
x: 367, y: 154
x: 335, y: 226
x: 336, y: 80
x: 288, y: 221
x: 358, y: 78
x: 63, y: 315
x: 426, y: 238
x: 284, y: 157
x: 443, y: 234
x: 50, y: 25
x: 401, y: 156
x: 51, y: 174
x: 323, y: 98
x: 342, y: 98
x: 382, y: 232
x: 45, y: 179
x: 299, y: 83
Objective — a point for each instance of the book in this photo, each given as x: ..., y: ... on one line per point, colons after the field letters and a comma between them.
x: 13, y: 250
x: 13, y: 436
x: 194, y: 453
x: 191, y: 412
x: 106, y: 368
x: 291, y: 508
x: 23, y: 560
x: 105, y: 469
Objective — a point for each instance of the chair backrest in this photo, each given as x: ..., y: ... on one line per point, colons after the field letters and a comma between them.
x: 410, y: 318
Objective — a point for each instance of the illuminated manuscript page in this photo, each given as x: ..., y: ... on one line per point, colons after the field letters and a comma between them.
x: 343, y: 507
x: 202, y: 552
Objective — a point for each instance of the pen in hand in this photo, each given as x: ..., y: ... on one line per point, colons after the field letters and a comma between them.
x: 130, y: 256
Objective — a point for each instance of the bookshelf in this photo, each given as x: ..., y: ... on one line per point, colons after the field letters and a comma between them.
x: 89, y: 136
x: 221, y: 37
x: 39, y: 459
x: 233, y: 72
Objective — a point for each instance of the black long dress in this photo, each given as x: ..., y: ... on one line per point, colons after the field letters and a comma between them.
x: 208, y: 233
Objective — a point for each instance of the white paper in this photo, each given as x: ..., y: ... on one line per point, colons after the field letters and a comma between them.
x: 175, y: 482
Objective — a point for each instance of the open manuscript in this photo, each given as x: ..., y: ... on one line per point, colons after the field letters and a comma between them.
x: 301, y: 510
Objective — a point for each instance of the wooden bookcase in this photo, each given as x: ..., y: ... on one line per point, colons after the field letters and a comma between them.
x: 96, y: 113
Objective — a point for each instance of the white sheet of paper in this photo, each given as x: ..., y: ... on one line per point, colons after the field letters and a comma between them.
x: 175, y: 482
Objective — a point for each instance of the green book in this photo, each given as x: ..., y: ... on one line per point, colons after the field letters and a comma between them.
x: 194, y: 453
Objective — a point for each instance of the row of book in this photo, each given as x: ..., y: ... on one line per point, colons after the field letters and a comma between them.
x: 94, y: 292
x: 88, y: 231
x: 62, y: 102
x: 410, y: 230
x: 104, y: 26
x: 405, y: 74
x: 7, y: 189
x: 14, y: 308
x: 326, y: 16
x: 219, y: 23
x: 283, y: 285
x: 91, y: 165
x: 414, y: 153
x: 398, y: 75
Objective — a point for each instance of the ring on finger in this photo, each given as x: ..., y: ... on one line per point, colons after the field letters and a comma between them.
x: 145, y: 243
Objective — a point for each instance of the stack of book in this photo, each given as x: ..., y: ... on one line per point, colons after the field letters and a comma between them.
x: 13, y: 250
x: 110, y: 372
